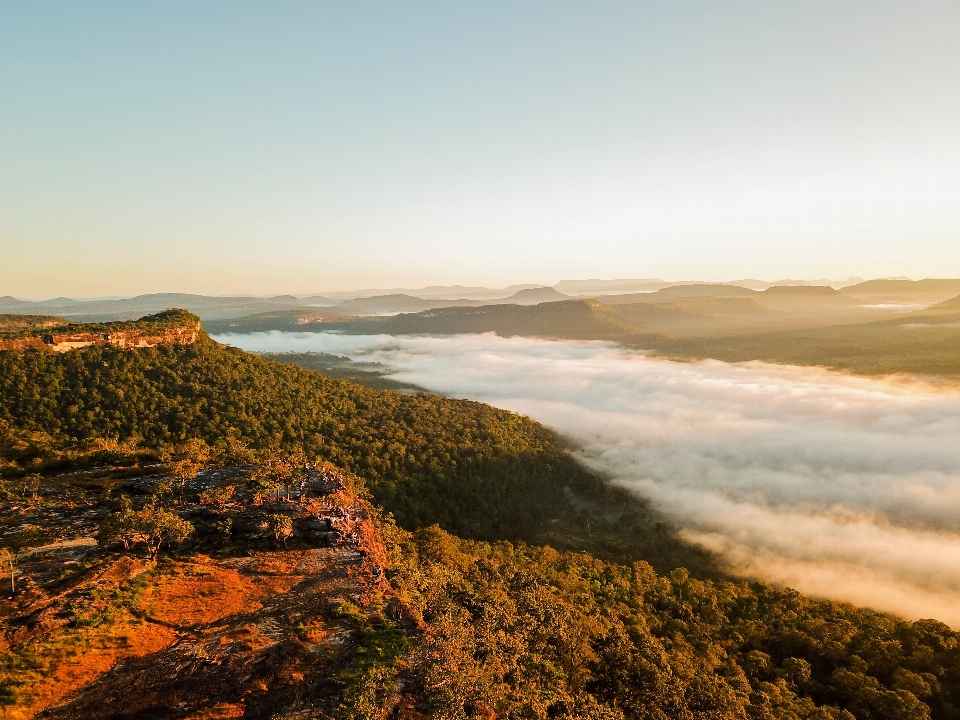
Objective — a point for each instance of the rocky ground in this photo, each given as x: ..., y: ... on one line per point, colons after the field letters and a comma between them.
x: 233, y: 623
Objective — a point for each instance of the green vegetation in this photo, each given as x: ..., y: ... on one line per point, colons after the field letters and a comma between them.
x: 152, y: 525
x: 371, y: 677
x: 501, y: 629
x: 473, y: 469
x: 921, y: 344
x: 17, y: 326
x: 363, y: 373
x: 526, y: 632
x: 22, y: 326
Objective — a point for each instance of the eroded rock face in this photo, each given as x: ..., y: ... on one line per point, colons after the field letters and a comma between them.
x: 235, y: 623
x: 185, y: 335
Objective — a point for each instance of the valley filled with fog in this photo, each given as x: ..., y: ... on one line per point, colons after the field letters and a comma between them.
x: 838, y: 486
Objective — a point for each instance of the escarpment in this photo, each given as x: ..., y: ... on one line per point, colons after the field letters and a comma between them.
x: 171, y: 327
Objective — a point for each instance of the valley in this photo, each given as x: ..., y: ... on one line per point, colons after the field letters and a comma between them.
x: 198, y: 532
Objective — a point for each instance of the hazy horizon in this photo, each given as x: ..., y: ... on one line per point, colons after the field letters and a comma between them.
x: 446, y: 289
x: 218, y: 148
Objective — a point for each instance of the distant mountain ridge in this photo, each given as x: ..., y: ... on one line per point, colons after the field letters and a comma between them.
x: 135, y: 307
x: 389, y: 302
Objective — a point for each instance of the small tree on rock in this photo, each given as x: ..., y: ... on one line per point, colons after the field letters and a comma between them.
x: 121, y: 526
x: 153, y: 526
x: 218, y: 496
x: 158, y: 526
x: 281, y: 526
x: 8, y: 564
x: 26, y: 537
x: 194, y: 454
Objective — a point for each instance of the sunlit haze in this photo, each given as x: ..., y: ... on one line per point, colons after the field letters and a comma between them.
x: 224, y: 147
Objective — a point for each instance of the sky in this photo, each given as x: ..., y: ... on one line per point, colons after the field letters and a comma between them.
x: 301, y: 147
x: 743, y: 458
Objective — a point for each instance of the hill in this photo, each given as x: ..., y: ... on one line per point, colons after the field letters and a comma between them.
x: 131, y: 308
x: 575, y: 319
x: 392, y: 304
x: 801, y: 290
x: 40, y: 333
x: 675, y: 292
x: 603, y: 287
x: 402, y: 303
x: 921, y: 344
x: 921, y: 292
x: 475, y: 470
x: 947, y: 306
x: 289, y: 320
x: 183, y: 547
x: 803, y: 326
x: 632, y: 323
x: 535, y: 296
x: 689, y: 316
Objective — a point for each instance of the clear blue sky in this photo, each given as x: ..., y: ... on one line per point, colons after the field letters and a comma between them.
x: 266, y: 147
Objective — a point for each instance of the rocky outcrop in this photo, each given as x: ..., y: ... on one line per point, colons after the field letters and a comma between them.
x: 184, y: 335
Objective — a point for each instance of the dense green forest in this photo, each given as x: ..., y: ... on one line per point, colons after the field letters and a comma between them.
x: 528, y: 632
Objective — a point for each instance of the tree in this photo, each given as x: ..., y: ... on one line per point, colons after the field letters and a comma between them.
x: 12, y: 544
x: 194, y: 454
x: 262, y: 484
x: 31, y: 485
x: 158, y: 526
x: 182, y: 472
x: 281, y: 526
x: 274, y: 475
x: 8, y: 563
x: 218, y: 496
x: 153, y: 526
x: 121, y: 526
x: 280, y: 469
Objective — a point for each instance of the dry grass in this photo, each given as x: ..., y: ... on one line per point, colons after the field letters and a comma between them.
x: 199, y: 594
x: 86, y: 657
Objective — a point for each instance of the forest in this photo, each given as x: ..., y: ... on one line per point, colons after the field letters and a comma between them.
x: 538, y: 613
x: 535, y: 633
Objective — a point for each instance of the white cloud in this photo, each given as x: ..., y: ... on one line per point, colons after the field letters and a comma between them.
x: 838, y: 486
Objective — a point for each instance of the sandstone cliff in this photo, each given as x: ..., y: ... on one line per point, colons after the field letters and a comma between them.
x: 172, y: 327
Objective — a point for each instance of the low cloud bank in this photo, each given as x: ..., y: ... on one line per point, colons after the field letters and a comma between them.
x: 843, y: 487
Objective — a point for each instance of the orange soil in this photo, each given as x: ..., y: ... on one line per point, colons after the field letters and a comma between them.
x: 73, y: 673
x: 208, y: 594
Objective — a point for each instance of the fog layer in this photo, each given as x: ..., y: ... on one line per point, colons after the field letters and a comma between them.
x: 838, y: 486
